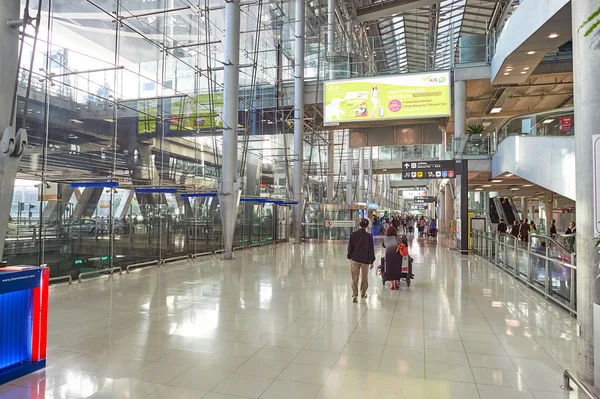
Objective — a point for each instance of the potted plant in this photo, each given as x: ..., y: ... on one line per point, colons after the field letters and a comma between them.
x: 475, y: 130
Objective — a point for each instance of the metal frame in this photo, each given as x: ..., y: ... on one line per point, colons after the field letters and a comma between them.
x: 110, y: 270
x: 569, y: 376
x: 68, y: 277
x: 143, y: 264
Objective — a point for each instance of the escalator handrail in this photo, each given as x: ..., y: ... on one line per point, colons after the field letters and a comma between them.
x: 558, y: 244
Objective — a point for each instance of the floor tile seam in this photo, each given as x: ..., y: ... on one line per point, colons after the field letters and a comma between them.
x: 536, y: 300
x: 281, y: 372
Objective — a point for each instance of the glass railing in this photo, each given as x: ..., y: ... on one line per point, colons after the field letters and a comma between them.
x: 148, y: 232
x: 406, y: 152
x: 557, y: 122
x: 474, y: 145
x: 542, y: 263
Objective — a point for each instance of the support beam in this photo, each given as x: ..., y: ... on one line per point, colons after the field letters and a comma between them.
x: 349, y: 193
x: 331, y: 168
x: 88, y: 203
x: 460, y: 108
x: 370, y: 178
x: 385, y: 9
x: 229, y: 192
x: 361, y: 175
x: 9, y: 159
x: 299, y: 118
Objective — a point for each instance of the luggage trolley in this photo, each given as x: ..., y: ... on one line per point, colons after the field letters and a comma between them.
x: 406, y: 271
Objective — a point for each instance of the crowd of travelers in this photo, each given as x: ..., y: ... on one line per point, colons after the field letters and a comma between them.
x: 404, y: 224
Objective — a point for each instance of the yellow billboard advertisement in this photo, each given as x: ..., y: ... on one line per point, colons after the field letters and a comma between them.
x: 422, y: 95
x: 186, y: 113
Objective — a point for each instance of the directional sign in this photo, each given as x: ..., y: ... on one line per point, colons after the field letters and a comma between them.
x: 424, y: 200
x: 428, y: 170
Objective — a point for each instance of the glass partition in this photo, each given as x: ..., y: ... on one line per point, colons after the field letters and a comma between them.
x: 543, y: 263
x: 558, y: 122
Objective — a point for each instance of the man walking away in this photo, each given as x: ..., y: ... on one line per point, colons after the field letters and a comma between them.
x: 361, y: 253
x: 524, y: 231
x: 502, y: 227
x: 553, y: 229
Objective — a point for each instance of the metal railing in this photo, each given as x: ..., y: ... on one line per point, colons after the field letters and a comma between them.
x: 110, y: 271
x: 61, y: 278
x: 474, y: 145
x: 544, y: 269
x: 569, y: 376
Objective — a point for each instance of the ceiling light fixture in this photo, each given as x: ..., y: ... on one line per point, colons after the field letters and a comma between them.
x: 531, y: 52
x: 506, y: 73
x: 553, y: 35
x: 515, y: 189
x: 496, y: 110
x: 509, y: 175
x: 526, y: 69
x: 497, y: 181
x: 547, y: 121
x: 509, y: 69
x: 486, y: 185
x: 479, y: 189
x: 527, y: 185
x: 523, y: 72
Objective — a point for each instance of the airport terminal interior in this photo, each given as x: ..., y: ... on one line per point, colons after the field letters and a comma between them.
x: 186, y: 188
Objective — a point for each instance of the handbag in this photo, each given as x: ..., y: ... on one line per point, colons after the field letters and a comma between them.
x: 401, y: 248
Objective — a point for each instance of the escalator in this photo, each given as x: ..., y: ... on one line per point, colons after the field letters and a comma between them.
x: 497, y: 212
x: 511, y: 202
x: 509, y: 215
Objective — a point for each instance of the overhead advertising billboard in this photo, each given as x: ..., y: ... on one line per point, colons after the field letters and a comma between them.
x: 424, y: 95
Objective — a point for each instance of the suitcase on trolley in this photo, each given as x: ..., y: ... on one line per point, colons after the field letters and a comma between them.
x: 406, y: 273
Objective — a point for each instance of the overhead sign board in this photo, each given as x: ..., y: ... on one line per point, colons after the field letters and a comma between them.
x: 340, y: 223
x: 413, y: 194
x: 417, y: 170
x: 424, y: 200
x: 423, y: 95
x: 415, y: 188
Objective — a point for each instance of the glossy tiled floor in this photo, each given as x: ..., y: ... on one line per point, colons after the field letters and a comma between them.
x: 279, y: 323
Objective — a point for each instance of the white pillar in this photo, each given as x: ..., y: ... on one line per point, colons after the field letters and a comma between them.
x: 331, y: 168
x: 370, y: 178
x: 361, y: 175
x: 448, y: 206
x: 349, y: 193
x: 299, y: 118
x: 229, y: 192
x: 460, y: 108
x: 549, y: 209
x: 587, y: 103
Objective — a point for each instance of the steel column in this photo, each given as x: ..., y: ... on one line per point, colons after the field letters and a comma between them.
x: 229, y: 190
x: 299, y: 118
x: 361, y: 175
x: 331, y: 168
x: 370, y: 179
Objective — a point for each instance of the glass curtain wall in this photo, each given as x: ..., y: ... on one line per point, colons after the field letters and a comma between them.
x: 124, y: 123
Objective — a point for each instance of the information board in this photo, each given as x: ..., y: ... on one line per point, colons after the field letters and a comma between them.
x: 340, y: 223
x: 417, y: 170
x: 424, y: 200
x: 423, y: 95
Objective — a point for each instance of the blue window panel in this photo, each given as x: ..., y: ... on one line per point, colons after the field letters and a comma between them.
x: 15, y: 328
